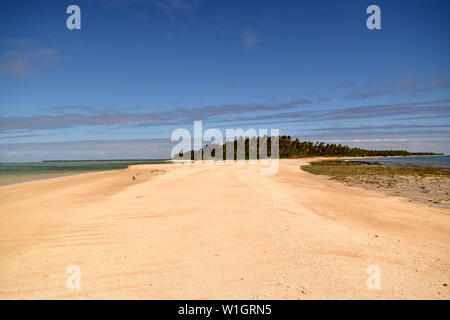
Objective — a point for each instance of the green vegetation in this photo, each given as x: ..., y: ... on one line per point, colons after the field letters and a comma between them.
x: 289, y: 148
x: 345, y: 170
x: 422, y: 184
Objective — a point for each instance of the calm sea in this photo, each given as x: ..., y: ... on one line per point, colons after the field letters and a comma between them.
x: 20, y: 172
x: 426, y: 161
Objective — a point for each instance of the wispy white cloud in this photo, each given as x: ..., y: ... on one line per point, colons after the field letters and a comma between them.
x: 170, y: 7
x: 23, y: 56
x: 404, y: 85
x: 72, y: 116
x: 178, y: 5
x: 81, y: 150
x: 250, y: 38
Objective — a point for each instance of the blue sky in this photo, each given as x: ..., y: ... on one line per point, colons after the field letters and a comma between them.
x: 138, y: 69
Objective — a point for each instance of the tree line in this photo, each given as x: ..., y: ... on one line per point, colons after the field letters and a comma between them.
x: 289, y: 148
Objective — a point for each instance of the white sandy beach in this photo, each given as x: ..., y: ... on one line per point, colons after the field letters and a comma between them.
x: 217, y: 231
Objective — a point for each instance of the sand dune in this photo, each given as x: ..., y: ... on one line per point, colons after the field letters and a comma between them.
x: 217, y: 231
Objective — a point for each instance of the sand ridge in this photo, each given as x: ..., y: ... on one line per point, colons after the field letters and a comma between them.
x: 214, y: 231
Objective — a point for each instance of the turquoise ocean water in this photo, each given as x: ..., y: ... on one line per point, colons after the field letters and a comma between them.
x: 425, y: 161
x: 20, y: 172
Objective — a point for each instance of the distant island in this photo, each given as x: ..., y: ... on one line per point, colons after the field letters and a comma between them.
x: 289, y: 148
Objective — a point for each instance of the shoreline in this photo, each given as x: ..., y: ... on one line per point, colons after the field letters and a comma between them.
x: 419, y: 184
x: 43, y: 178
x: 38, y: 177
x: 405, y: 164
x: 189, y: 161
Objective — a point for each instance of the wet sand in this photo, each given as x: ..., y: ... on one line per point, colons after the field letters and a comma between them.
x: 215, y: 231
